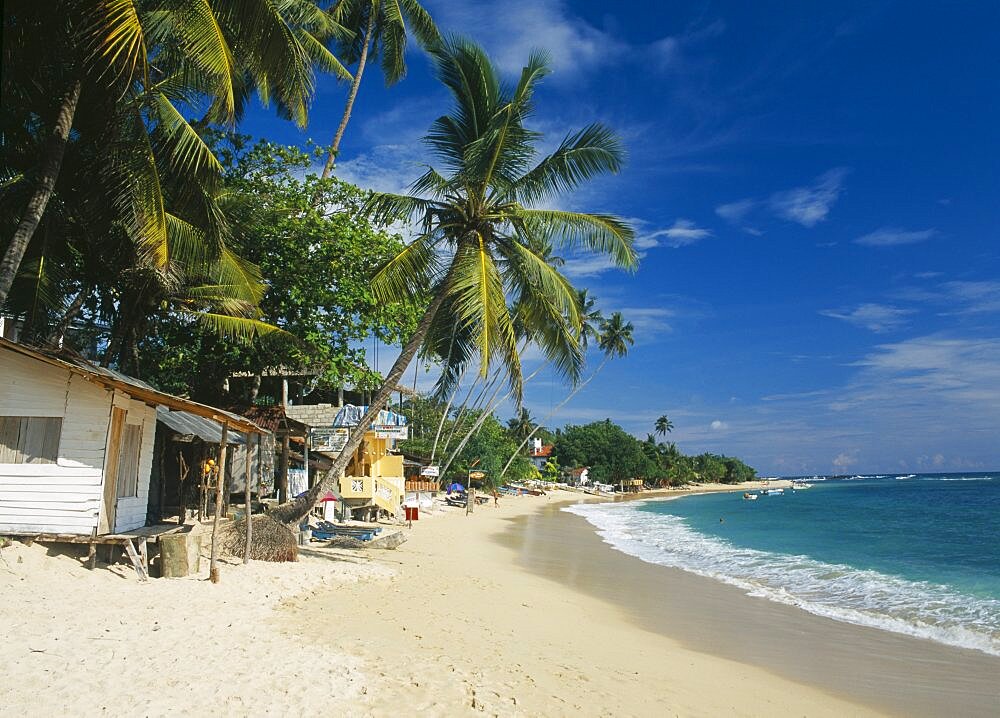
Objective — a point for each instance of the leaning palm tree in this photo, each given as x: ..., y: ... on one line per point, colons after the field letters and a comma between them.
x: 476, y: 232
x: 378, y: 30
x: 664, y: 425
x: 615, y: 339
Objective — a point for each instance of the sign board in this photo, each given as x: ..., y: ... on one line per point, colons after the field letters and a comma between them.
x: 330, y: 440
x: 434, y: 471
x: 391, y: 431
x: 477, y: 475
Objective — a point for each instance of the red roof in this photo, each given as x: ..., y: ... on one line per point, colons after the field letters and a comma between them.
x: 542, y: 452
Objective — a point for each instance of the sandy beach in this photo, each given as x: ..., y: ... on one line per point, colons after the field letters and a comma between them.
x: 516, y: 610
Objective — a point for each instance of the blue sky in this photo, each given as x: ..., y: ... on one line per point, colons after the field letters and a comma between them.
x: 815, y: 187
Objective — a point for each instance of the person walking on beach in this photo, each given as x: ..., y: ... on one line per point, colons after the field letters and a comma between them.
x: 496, y: 497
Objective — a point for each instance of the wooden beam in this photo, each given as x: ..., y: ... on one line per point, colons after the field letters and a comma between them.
x: 246, y: 500
x: 213, y: 572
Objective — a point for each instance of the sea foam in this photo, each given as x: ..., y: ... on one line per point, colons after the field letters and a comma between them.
x: 844, y: 593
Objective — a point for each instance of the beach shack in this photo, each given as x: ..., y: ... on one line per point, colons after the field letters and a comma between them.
x: 76, y: 447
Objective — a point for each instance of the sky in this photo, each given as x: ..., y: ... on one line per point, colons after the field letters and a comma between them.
x: 814, y: 188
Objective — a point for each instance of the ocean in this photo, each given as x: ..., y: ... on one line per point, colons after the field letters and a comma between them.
x: 913, y: 554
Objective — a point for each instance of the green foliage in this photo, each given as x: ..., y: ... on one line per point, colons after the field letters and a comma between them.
x: 317, y: 253
x: 550, y: 472
x: 613, y: 455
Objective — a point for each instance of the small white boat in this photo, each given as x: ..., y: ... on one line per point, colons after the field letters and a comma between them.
x: 796, y: 485
x: 749, y: 497
x: 774, y: 492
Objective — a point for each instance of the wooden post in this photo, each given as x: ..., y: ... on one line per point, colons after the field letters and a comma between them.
x: 283, y: 478
x: 182, y: 469
x: 246, y: 500
x: 213, y: 572
x: 163, y: 478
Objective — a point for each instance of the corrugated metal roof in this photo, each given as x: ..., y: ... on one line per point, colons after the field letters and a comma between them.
x: 188, y: 424
x: 134, y: 387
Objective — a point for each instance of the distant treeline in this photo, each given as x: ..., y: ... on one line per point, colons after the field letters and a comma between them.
x: 614, y: 455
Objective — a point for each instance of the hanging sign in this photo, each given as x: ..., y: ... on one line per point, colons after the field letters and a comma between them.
x: 391, y: 431
x: 330, y: 440
x: 477, y: 475
x: 433, y: 471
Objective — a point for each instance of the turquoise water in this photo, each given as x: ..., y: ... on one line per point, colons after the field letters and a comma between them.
x: 913, y: 554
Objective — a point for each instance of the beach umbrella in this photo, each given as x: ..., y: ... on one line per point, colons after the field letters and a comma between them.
x: 456, y: 487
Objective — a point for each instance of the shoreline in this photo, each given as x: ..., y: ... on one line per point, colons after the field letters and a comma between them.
x: 517, y: 610
x: 886, y: 671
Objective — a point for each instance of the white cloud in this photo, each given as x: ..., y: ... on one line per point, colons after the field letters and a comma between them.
x: 844, y: 460
x: 876, y: 317
x: 735, y: 211
x: 719, y: 425
x: 681, y: 233
x: 978, y: 297
x: 647, y: 321
x: 511, y: 30
x: 892, y: 236
x: 589, y: 265
x: 810, y: 205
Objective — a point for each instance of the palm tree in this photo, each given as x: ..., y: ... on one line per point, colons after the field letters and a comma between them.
x: 615, y: 339
x: 664, y: 425
x: 592, y: 319
x: 521, y: 425
x: 118, y: 72
x: 378, y: 29
x: 476, y: 236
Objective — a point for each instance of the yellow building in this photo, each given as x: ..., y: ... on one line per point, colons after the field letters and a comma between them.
x: 374, y: 477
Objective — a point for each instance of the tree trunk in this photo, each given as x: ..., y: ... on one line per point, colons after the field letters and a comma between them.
x: 490, y: 408
x: 293, y: 511
x: 486, y: 412
x: 247, y: 505
x: 447, y: 409
x: 51, y: 164
x: 59, y: 332
x: 254, y: 388
x: 213, y: 572
x: 335, y: 147
x: 539, y: 425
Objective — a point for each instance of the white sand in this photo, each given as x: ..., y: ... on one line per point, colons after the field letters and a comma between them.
x: 447, y: 624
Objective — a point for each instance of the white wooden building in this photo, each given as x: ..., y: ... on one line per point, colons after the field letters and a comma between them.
x: 76, y: 444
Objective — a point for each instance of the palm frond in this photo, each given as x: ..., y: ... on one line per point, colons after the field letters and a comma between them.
x: 583, y: 155
x: 603, y: 233
x: 404, y: 277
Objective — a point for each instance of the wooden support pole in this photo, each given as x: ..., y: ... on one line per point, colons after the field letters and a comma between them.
x: 213, y: 572
x: 246, y: 500
x: 283, y: 478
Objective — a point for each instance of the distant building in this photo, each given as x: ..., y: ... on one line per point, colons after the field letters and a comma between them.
x: 540, y: 453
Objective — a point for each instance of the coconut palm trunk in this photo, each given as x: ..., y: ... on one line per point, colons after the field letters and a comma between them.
x: 59, y: 332
x: 539, y: 425
x: 444, y: 414
x: 490, y: 408
x: 51, y: 164
x: 331, y: 158
x: 293, y: 511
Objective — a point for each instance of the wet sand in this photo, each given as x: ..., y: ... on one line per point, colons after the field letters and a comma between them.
x: 890, y: 672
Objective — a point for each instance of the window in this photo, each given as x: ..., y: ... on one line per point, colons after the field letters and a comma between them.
x: 128, y: 461
x: 29, y: 439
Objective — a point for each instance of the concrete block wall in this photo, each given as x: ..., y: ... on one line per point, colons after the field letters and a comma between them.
x: 313, y: 414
